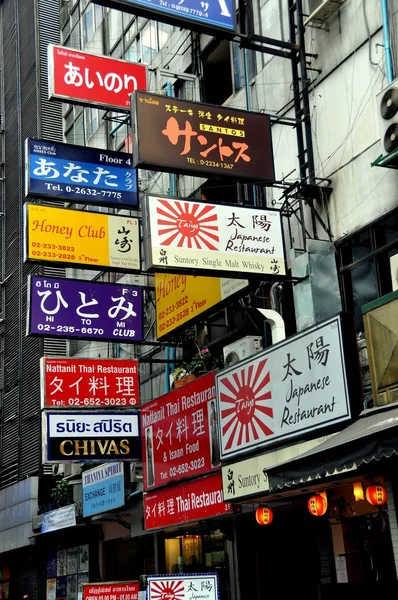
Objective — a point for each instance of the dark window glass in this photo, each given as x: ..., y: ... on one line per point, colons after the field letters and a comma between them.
x: 386, y: 230
x: 360, y: 286
x: 356, y: 248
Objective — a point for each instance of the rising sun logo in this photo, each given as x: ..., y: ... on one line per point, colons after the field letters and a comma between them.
x: 167, y: 590
x: 187, y: 225
x: 246, y: 414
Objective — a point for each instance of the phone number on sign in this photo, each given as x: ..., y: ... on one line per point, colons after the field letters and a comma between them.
x: 99, y: 402
x: 186, y: 467
x: 173, y: 320
x: 84, y: 191
x: 172, y: 307
x: 39, y: 254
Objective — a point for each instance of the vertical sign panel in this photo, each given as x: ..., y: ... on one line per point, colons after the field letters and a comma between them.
x: 103, y: 488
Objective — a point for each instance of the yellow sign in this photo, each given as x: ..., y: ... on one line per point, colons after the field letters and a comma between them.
x: 80, y: 237
x: 180, y: 298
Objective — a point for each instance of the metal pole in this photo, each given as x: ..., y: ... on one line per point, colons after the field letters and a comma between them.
x: 387, y: 45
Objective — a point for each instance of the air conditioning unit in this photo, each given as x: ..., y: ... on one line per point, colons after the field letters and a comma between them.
x: 241, y: 349
x: 66, y: 469
x: 387, y: 102
x: 320, y: 11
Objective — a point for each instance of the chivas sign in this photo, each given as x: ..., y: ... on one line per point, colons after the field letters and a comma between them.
x: 90, y: 436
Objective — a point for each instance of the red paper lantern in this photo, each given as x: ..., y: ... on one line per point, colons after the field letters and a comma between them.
x: 376, y: 494
x: 317, y: 505
x: 264, y: 515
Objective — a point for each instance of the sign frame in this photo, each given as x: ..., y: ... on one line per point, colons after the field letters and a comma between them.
x: 347, y: 359
x: 71, y: 263
x: 157, y: 579
x: 204, y: 164
x: 163, y: 17
x: 52, y: 96
x: 48, y: 458
x: 86, y: 402
x: 82, y: 193
x: 86, y: 336
x: 211, y: 270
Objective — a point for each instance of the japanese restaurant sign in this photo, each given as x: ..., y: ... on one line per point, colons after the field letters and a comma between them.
x: 90, y: 436
x: 295, y: 387
x: 79, y: 174
x: 190, y: 235
x: 177, y: 293
x: 89, y: 382
x: 189, y: 501
x: 202, y: 139
x: 72, y: 308
x: 183, y: 587
x: 81, y: 78
x: 180, y: 434
x: 114, y: 590
x: 92, y: 239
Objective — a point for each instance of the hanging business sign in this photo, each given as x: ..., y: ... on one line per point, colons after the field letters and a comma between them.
x: 189, y: 235
x: 103, y: 488
x: 290, y: 389
x: 114, y: 590
x: 183, y: 587
x: 90, y: 436
x: 176, y: 293
x: 81, y: 78
x: 77, y: 309
x: 59, y: 518
x: 89, y: 382
x: 79, y: 174
x: 206, y: 17
x: 202, y: 139
x: 189, y: 501
x: 180, y: 434
x: 244, y: 478
x: 80, y: 237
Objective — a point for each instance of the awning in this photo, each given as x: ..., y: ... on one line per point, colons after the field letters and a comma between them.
x: 372, y: 437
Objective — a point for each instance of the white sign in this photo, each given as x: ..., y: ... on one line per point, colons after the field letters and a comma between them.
x: 81, y: 425
x: 183, y: 587
x: 245, y: 478
x: 59, y: 519
x: 291, y: 388
x: 196, y: 235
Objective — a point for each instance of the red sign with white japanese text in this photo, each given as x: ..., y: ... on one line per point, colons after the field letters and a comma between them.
x: 189, y: 501
x: 89, y: 382
x: 82, y: 78
x: 123, y: 590
x: 179, y: 434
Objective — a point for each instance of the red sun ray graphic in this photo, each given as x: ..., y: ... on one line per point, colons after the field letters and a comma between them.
x: 187, y: 225
x: 246, y: 406
x: 167, y: 590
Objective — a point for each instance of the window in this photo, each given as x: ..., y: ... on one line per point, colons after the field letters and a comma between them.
x: 92, y: 17
x: 217, y: 74
x: 91, y: 120
x: 367, y: 264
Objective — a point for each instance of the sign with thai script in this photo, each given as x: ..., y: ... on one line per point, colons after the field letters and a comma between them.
x: 115, y: 590
x: 200, y: 139
x: 189, y: 14
x: 183, y: 587
x: 103, y: 488
x: 79, y: 237
x: 176, y: 293
x: 79, y: 174
x: 59, y: 518
x: 290, y: 389
x: 180, y: 434
x: 73, y: 308
x: 81, y: 78
x: 190, y: 235
x: 190, y: 501
x: 90, y: 436
x: 89, y: 382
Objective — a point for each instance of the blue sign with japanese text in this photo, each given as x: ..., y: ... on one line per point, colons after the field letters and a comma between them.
x: 79, y: 174
x: 208, y: 14
x: 73, y: 308
x: 103, y: 488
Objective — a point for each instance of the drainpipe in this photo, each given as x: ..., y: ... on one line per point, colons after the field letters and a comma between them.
x: 386, y: 36
x: 276, y: 322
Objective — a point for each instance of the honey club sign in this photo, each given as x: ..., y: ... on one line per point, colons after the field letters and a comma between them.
x: 82, y: 78
x: 186, y: 234
x: 290, y: 389
x: 180, y: 434
x: 188, y: 137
